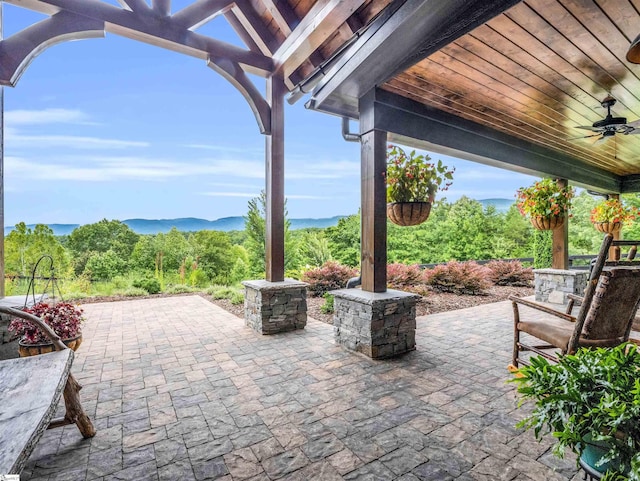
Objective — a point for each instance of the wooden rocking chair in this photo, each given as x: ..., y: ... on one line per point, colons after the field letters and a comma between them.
x: 606, y: 314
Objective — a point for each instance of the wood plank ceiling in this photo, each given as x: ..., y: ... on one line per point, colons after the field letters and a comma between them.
x: 538, y: 71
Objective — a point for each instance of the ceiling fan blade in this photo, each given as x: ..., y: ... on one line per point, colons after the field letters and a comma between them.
x: 601, y: 140
x: 586, y: 136
x: 635, y: 124
x: 590, y: 127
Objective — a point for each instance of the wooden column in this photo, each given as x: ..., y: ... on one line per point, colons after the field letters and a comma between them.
x: 1, y: 171
x: 274, y: 229
x: 561, y: 240
x: 373, y: 245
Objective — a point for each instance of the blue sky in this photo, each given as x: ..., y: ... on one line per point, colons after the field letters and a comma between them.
x: 113, y: 128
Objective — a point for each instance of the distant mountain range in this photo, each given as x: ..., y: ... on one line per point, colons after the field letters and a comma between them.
x: 225, y: 224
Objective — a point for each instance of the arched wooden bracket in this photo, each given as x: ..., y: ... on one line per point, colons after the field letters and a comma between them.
x: 235, y: 75
x: 17, y: 51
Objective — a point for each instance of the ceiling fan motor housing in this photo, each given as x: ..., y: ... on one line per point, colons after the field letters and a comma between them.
x: 609, y: 120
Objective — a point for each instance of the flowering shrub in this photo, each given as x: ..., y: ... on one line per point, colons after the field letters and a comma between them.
x: 509, y: 273
x: 330, y: 276
x: 64, y: 318
x: 402, y: 276
x: 544, y: 198
x: 412, y: 178
x: 612, y: 210
x: 459, y: 277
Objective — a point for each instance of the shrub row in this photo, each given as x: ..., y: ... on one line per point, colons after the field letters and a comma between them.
x: 459, y: 277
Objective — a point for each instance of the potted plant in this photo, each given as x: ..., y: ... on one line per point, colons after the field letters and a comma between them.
x: 412, y: 183
x: 590, y: 401
x: 64, y: 318
x: 545, y: 203
x: 609, y: 215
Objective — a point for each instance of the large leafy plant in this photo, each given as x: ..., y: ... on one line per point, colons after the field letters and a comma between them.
x: 544, y: 198
x: 414, y: 178
x: 594, y: 393
x: 64, y: 318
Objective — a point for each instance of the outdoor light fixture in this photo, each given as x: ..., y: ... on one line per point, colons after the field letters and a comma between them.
x: 633, y: 55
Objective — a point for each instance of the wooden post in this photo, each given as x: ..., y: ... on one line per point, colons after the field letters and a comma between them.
x: 1, y: 171
x: 373, y: 245
x: 560, y: 242
x: 274, y: 228
x: 614, y: 251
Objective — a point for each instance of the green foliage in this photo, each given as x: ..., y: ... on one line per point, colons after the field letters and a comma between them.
x: 149, y: 284
x: 413, y: 177
x: 459, y: 277
x: 543, y: 249
x: 327, y: 307
x: 101, y: 237
x: 23, y: 248
x: 344, y: 240
x: 132, y: 292
x: 104, y: 265
x: 314, y: 248
x: 583, y: 238
x: 594, y: 393
x: 234, y: 294
x: 179, y: 289
x: 212, y: 250
x: 256, y: 237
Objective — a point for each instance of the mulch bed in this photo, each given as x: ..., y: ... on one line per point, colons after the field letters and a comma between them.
x: 432, y: 303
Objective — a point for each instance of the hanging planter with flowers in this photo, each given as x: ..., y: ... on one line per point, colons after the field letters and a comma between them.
x: 545, y: 203
x: 609, y: 215
x: 412, y: 183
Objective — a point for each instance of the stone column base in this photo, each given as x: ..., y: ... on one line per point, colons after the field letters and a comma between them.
x: 272, y: 307
x: 378, y: 325
x: 553, y: 285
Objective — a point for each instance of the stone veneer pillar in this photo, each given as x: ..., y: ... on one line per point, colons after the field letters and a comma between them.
x: 378, y: 325
x: 272, y: 307
x: 553, y: 285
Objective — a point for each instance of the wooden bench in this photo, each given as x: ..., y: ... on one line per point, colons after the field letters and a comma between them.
x: 30, y: 389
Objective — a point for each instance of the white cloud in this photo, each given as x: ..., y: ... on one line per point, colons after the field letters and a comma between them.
x: 15, y: 139
x: 226, y: 148
x: 46, y: 116
x: 231, y: 194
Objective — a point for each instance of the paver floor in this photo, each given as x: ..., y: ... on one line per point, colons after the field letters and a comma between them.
x: 180, y: 389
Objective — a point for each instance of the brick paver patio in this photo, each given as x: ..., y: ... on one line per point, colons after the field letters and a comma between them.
x: 180, y: 389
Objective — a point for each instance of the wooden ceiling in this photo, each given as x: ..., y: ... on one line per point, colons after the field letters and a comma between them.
x: 538, y: 71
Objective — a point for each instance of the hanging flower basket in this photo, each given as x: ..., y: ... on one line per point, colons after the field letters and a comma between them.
x: 412, y: 182
x: 408, y: 213
x: 608, y: 227
x: 547, y: 223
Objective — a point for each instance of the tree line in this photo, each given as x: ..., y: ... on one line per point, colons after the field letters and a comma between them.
x: 461, y: 230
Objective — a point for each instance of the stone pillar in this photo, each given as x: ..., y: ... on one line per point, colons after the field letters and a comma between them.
x: 553, y: 285
x: 272, y: 307
x: 377, y: 324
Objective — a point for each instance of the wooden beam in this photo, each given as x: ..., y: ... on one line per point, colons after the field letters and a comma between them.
x: 200, y: 12
x: 234, y: 74
x: 614, y: 252
x: 324, y: 18
x: 373, y: 244
x: 2, y: 263
x: 134, y: 5
x: 162, y: 7
x: 17, y: 51
x: 560, y: 239
x: 417, y: 125
x: 253, y: 24
x: 160, y: 32
x: 274, y: 229
x: 283, y: 15
x: 405, y: 33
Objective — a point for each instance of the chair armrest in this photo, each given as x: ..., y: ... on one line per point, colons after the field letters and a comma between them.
x: 574, y: 299
x: 541, y: 307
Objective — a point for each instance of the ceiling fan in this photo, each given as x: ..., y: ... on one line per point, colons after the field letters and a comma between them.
x: 610, y: 125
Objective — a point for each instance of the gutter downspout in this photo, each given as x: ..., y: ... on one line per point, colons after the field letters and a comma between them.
x: 350, y: 137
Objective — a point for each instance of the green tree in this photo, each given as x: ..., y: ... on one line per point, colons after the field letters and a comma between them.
x: 314, y: 248
x: 104, y: 265
x: 23, y: 248
x: 344, y: 240
x: 102, y: 236
x: 255, y: 227
x: 213, y: 253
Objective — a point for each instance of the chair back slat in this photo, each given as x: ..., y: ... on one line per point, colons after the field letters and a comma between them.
x: 614, y: 305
